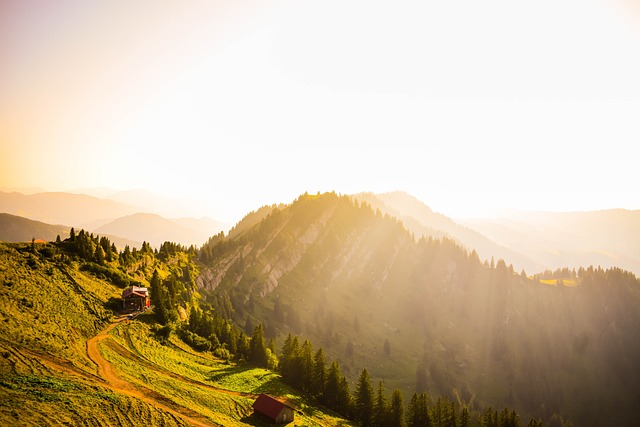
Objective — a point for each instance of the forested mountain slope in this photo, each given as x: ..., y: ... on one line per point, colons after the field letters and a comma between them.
x: 427, y: 314
x: 419, y: 219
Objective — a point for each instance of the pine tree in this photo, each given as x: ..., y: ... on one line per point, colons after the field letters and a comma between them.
x: 489, y: 418
x: 380, y: 409
x: 363, y: 399
x: 242, y: 345
x: 418, y: 411
x: 344, y: 397
x: 289, y: 360
x: 306, y: 364
x: 465, y: 419
x: 99, y: 255
x: 319, y: 374
x: 332, y: 386
x: 396, y: 415
x: 412, y: 411
x: 257, y: 348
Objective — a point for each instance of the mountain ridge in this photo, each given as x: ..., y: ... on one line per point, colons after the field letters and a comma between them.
x: 351, y: 278
x: 155, y: 229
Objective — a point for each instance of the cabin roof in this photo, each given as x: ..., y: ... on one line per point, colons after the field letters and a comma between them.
x: 135, y: 291
x: 269, y: 406
x: 135, y: 294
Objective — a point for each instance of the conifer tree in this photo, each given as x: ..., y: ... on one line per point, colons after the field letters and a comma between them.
x: 465, y: 419
x: 257, y: 348
x: 306, y: 364
x: 418, y: 411
x: 272, y: 346
x: 332, y: 387
x: 99, y: 255
x: 489, y: 418
x: 289, y: 360
x: 319, y: 374
x: 285, y: 357
x: 344, y: 397
x: 396, y: 415
x: 363, y: 399
x: 242, y: 345
x: 380, y: 410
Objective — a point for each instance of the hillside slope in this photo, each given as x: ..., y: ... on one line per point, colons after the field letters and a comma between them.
x: 18, y: 229
x: 67, y: 359
x: 427, y: 314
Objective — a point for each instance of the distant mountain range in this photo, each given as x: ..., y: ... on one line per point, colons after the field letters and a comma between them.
x: 419, y: 219
x: 18, y: 229
x: 155, y: 229
x: 104, y: 216
x: 609, y: 238
x: 533, y: 241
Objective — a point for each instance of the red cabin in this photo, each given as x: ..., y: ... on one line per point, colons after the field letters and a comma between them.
x: 272, y: 410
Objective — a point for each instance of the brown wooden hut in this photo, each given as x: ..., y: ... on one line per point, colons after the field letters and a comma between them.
x: 272, y: 410
x: 135, y: 298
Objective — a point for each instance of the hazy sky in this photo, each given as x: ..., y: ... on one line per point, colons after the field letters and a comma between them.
x: 467, y: 105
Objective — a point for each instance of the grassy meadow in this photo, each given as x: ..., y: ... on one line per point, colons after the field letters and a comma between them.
x: 51, y: 309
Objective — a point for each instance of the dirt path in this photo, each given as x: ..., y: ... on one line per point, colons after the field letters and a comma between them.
x: 116, y: 383
x: 125, y: 352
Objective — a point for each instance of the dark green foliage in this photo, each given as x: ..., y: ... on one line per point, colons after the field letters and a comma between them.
x: 111, y: 274
x: 418, y: 411
x: 396, y: 411
x: 465, y: 418
x: 318, y: 374
x: 194, y: 340
x: 363, y: 399
x: 257, y: 348
x: 381, y: 411
x: 164, y: 332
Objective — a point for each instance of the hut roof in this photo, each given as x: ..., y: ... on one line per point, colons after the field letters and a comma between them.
x: 269, y: 406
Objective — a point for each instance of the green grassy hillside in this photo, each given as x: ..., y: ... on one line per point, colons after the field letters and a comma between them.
x: 425, y: 314
x: 67, y: 358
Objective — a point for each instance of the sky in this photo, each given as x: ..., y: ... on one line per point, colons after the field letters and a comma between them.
x: 473, y: 107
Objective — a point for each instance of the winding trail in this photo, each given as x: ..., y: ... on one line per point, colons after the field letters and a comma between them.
x: 107, y: 372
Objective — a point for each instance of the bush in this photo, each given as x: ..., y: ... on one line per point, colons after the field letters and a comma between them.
x: 194, y: 340
x: 222, y: 352
x: 114, y: 276
x: 164, y: 333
